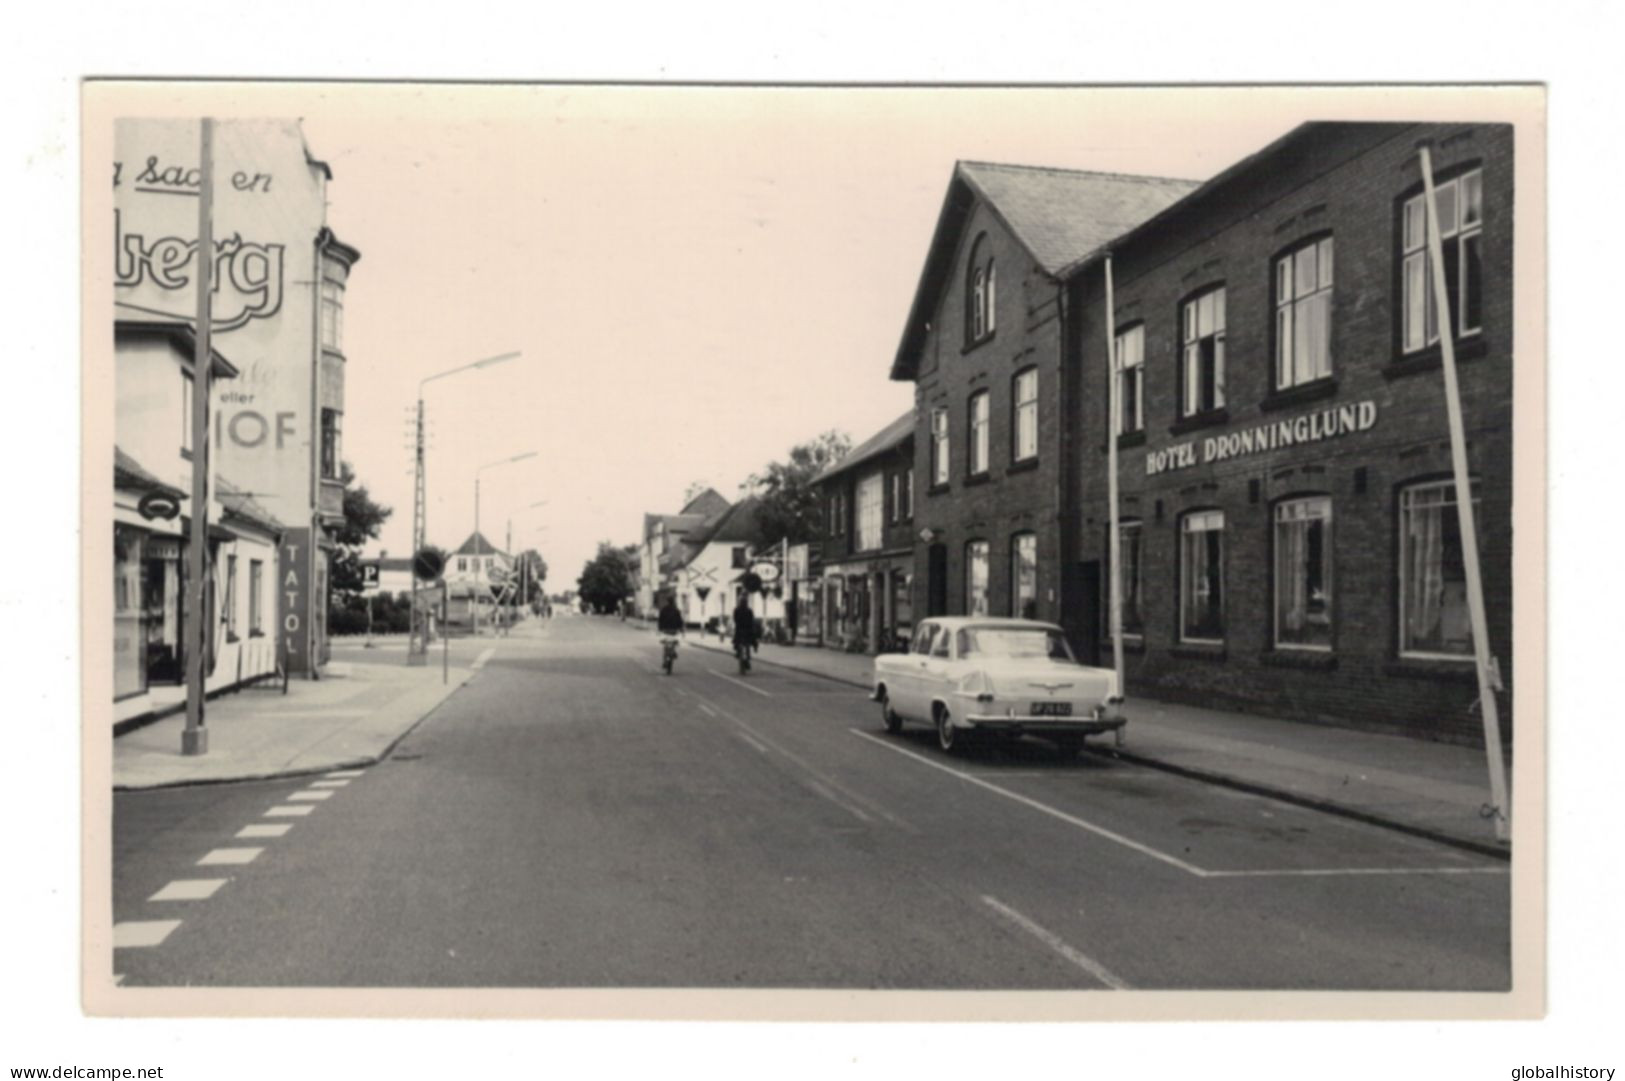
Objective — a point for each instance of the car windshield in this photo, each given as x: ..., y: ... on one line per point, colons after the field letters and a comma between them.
x: 1014, y: 642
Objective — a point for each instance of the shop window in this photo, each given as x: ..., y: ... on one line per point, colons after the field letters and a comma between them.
x: 331, y: 445
x: 871, y: 493
x: 1202, y: 344
x: 976, y: 461
x: 981, y: 286
x: 1433, y: 612
x: 1303, y: 314
x: 256, y: 595
x: 1461, y: 224
x: 1130, y: 541
x: 1024, y: 404
x: 1303, y: 574
x: 939, y: 446
x: 1024, y: 576
x: 129, y: 616
x: 976, y: 578
x: 1128, y: 362
x: 1201, y: 577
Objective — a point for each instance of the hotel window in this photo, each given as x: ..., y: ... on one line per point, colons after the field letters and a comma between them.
x: 981, y: 281
x: 1303, y: 574
x: 333, y: 316
x: 976, y: 461
x: 1128, y: 361
x: 186, y: 412
x: 871, y: 511
x: 1201, y: 577
x: 1461, y: 226
x: 1024, y: 576
x: 1303, y: 314
x: 1130, y: 548
x: 1024, y: 402
x: 330, y: 444
x: 976, y: 578
x: 1432, y: 573
x: 230, y: 599
x: 939, y: 446
x: 1202, y: 341
x: 256, y: 591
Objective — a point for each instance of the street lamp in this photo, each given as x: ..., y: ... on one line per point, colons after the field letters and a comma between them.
x: 418, y: 647
x: 479, y: 564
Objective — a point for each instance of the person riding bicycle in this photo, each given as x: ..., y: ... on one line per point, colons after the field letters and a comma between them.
x: 745, y: 631
x: 669, y: 626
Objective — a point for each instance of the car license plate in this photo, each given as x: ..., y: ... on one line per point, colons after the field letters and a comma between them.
x: 1051, y: 709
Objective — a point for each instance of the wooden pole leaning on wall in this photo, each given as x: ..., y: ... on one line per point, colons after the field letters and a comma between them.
x: 1489, y: 680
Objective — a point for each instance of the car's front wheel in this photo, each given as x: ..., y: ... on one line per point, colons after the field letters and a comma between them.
x: 948, y: 737
x: 888, y: 716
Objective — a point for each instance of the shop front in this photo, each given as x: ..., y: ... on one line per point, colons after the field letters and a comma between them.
x: 867, y: 606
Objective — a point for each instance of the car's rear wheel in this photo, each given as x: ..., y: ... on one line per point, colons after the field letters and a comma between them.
x: 948, y: 737
x: 888, y: 716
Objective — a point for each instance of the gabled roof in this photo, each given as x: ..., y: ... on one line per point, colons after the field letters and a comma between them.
x: 888, y: 438
x: 676, y: 525
x: 1059, y: 216
x: 131, y: 475
x: 478, y: 544
x: 705, y: 504
x: 241, y: 504
x: 736, y: 525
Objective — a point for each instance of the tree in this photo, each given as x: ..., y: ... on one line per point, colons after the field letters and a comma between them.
x: 607, y: 579
x: 789, y: 506
x: 363, y: 520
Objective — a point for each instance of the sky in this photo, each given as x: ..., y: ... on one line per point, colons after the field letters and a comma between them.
x: 697, y: 279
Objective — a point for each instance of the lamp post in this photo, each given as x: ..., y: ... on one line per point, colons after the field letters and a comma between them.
x: 417, y: 651
x: 479, y: 548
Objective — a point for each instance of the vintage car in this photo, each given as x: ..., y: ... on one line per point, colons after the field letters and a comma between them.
x: 969, y: 674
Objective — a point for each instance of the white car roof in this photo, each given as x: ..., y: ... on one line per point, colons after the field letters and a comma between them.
x: 954, y: 623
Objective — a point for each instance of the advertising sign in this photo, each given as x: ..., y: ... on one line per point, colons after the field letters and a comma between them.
x: 293, y: 599
x: 268, y: 207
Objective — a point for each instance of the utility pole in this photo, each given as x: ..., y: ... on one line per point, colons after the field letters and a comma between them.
x: 1489, y: 679
x: 195, y: 738
x: 417, y: 646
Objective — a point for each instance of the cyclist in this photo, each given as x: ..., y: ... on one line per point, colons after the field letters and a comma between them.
x: 669, y: 626
x: 745, y: 632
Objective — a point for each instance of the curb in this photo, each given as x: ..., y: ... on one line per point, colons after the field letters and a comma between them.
x: 358, y: 762
x: 1282, y: 795
x: 758, y: 659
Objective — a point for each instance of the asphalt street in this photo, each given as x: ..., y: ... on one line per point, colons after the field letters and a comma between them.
x: 574, y: 818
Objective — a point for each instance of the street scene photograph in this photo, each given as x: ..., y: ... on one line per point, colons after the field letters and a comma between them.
x: 628, y: 550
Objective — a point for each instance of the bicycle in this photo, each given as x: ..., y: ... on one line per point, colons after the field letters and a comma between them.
x: 742, y: 649
x: 668, y: 656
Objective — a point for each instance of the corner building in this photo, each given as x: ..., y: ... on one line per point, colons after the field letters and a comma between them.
x: 1289, y: 532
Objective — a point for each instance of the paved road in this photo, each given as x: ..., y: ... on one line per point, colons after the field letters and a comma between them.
x: 573, y: 818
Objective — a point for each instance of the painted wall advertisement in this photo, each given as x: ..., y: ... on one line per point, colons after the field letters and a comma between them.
x: 268, y: 209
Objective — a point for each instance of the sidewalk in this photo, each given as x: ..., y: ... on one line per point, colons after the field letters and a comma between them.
x: 351, y: 717
x: 1432, y: 790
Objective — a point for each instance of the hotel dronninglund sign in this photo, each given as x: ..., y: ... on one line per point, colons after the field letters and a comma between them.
x: 1309, y: 428
x: 268, y: 209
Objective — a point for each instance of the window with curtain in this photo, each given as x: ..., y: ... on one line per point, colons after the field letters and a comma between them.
x: 1433, y: 621
x: 256, y: 591
x: 1303, y: 574
x: 939, y: 446
x: 1202, y: 344
x: 229, y: 601
x: 977, y: 461
x: 1128, y: 362
x: 1461, y: 227
x: 1303, y: 314
x: 129, y: 625
x: 1024, y: 576
x: 1024, y: 402
x: 871, y: 509
x: 1201, y: 577
x: 976, y: 578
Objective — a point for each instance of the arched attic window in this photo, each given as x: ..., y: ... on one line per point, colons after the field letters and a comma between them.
x: 981, y: 291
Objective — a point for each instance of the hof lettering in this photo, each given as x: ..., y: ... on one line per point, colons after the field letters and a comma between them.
x: 1309, y: 428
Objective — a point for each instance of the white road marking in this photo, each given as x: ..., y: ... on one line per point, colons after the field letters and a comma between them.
x: 330, y: 784
x: 189, y: 889
x: 747, y: 737
x: 1117, y: 838
x: 137, y: 934
x: 230, y: 855
x: 288, y: 810
x: 308, y: 796
x: 479, y: 662
x: 1333, y: 871
x: 345, y: 773
x: 708, y: 710
x: 739, y: 683
x: 1054, y: 942
x: 267, y: 829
